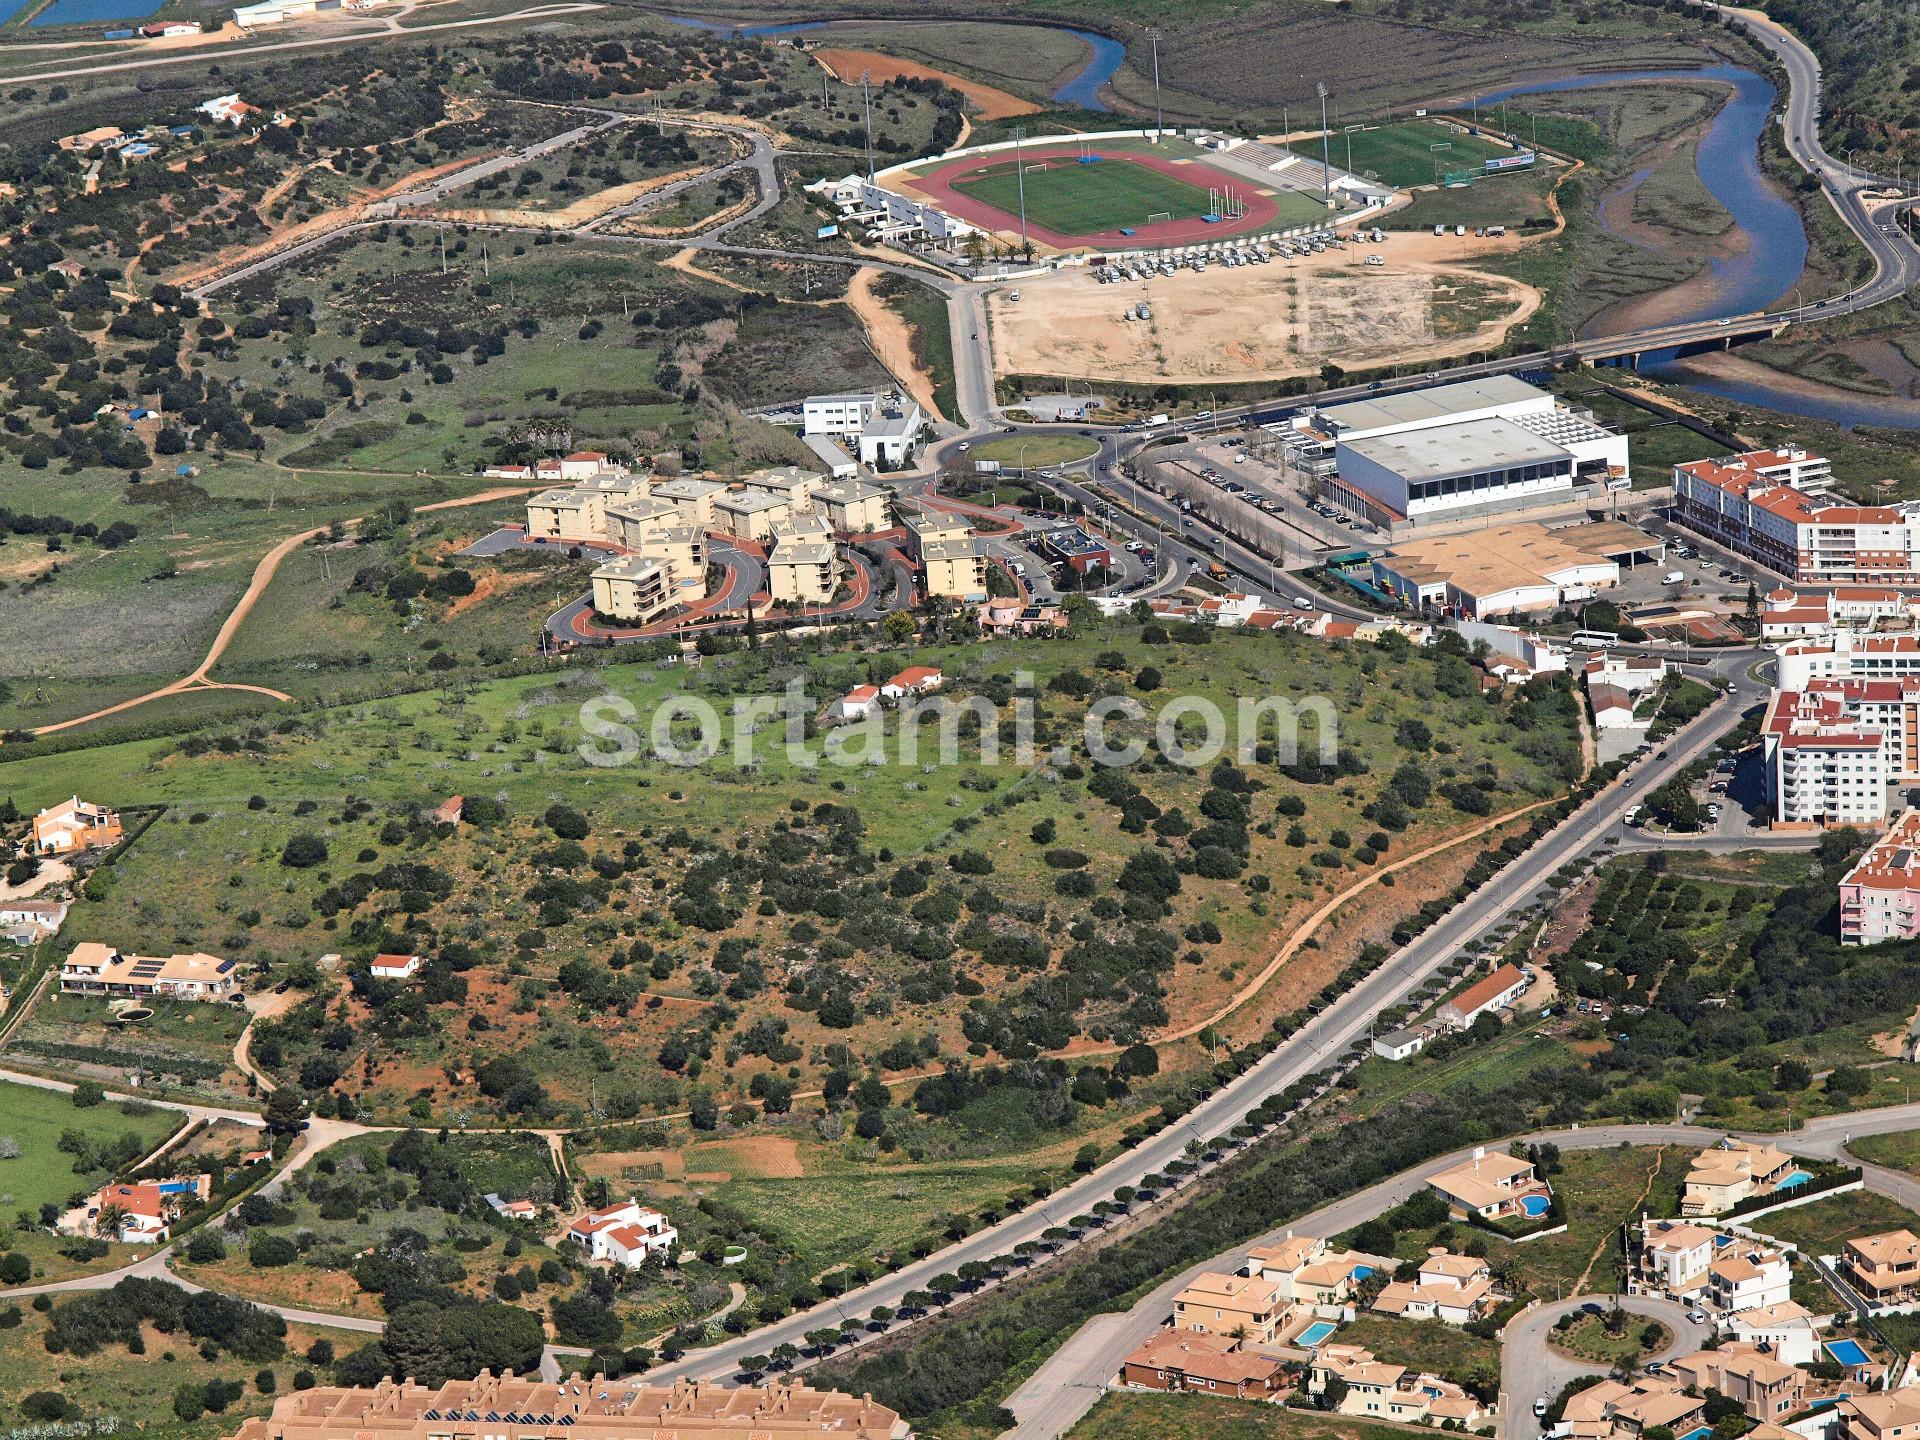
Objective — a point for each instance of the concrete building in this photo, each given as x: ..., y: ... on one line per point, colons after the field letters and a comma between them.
x: 833, y: 458
x: 789, y: 482
x: 750, y: 515
x: 801, y: 568
x: 892, y: 438
x: 567, y: 516
x: 1204, y: 1364
x: 1391, y: 1392
x: 632, y: 589
x: 1787, y: 614
x: 1824, y: 763
x: 1453, y: 1289
x: 592, y: 1408
x: 629, y: 523
x: 1880, y: 895
x: 1477, y: 448
x: 1404, y: 1043
x: 1786, y: 1329
x: 95, y: 969
x: 1846, y: 655
x: 852, y: 508
x: 838, y: 414
x: 1766, y: 1388
x: 1510, y: 569
x: 1884, y: 1269
x: 952, y: 561
x: 694, y: 499
x: 1892, y: 1415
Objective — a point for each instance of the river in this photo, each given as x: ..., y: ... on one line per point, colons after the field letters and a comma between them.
x: 1080, y: 91
x: 1763, y: 273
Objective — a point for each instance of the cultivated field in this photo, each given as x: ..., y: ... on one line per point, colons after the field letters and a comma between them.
x: 1267, y: 321
x: 44, y: 1172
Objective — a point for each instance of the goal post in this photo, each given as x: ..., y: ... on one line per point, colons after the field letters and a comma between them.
x: 1158, y: 216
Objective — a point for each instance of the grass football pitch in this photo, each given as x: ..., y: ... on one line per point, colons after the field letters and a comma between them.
x: 1403, y: 155
x: 1069, y: 198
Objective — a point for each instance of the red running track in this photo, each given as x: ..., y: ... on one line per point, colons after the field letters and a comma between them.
x: 1261, y: 210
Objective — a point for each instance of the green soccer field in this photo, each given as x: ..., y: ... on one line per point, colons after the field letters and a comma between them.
x: 1403, y: 155
x: 1069, y: 198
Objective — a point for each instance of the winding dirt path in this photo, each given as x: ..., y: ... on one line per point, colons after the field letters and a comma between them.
x: 263, y: 574
x: 891, y: 339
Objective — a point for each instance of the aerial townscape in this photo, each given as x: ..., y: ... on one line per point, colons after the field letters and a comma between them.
x: 1054, y: 721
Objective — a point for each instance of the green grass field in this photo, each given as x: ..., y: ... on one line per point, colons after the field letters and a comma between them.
x: 1069, y: 198
x: 1405, y: 155
x: 35, y: 1119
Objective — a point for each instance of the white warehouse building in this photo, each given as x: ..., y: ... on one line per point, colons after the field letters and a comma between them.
x: 1478, y: 448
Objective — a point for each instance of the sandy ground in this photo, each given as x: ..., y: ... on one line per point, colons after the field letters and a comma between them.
x: 1256, y: 322
x: 575, y: 214
x: 891, y: 339
x: 50, y: 873
x: 846, y: 66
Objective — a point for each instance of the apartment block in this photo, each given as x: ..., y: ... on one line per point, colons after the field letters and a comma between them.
x: 1826, y: 753
x: 1880, y: 895
x: 632, y: 589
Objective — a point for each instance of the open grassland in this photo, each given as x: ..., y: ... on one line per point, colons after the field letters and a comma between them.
x: 1899, y: 1150
x: 209, y: 874
x: 44, y: 1172
x: 1141, y: 1416
x: 1822, y: 1227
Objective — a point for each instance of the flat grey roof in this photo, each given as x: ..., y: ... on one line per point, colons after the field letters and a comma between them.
x: 1462, y: 448
x: 1418, y: 405
x: 832, y: 454
x: 891, y: 425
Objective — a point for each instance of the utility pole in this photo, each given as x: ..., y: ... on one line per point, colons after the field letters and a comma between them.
x: 1326, y: 159
x: 1159, y: 120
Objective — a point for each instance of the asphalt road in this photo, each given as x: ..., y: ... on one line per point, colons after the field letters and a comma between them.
x: 1531, y: 1370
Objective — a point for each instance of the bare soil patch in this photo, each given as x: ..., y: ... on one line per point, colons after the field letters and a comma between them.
x: 891, y: 339
x: 846, y: 66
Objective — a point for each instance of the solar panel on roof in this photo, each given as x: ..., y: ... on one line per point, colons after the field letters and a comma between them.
x: 226, y: 965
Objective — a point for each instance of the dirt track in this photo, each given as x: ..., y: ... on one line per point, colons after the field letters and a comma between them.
x: 263, y: 574
x: 1268, y: 321
x: 892, y: 341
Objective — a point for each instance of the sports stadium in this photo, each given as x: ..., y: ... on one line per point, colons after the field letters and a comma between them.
x: 1125, y: 191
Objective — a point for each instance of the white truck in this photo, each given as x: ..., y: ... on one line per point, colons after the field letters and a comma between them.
x: 1156, y: 420
x: 987, y: 467
x: 1674, y: 577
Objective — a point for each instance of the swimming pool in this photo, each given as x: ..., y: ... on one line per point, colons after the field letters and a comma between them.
x: 1699, y: 1433
x: 1847, y: 1352
x: 1361, y: 1272
x: 1315, y: 1333
x: 1534, y: 1205
x: 1793, y: 1179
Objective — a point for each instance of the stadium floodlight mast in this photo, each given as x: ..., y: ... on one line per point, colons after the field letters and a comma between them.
x: 866, y: 99
x: 1326, y: 155
x: 1020, y: 180
x: 1159, y: 119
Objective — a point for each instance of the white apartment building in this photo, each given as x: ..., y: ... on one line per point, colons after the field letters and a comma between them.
x: 1846, y: 655
x: 1823, y: 765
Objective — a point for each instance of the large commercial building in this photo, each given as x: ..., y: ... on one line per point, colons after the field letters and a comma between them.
x: 1510, y: 569
x: 505, y: 1407
x: 1456, y: 452
x: 1880, y: 895
x: 1774, y: 507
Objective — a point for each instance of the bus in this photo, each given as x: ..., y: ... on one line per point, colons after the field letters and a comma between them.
x: 1594, y: 639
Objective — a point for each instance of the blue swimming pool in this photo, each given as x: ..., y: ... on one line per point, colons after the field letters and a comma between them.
x: 1361, y: 1272
x: 1315, y: 1333
x: 1847, y: 1352
x: 1699, y: 1433
x: 1534, y: 1205
x: 1793, y: 1179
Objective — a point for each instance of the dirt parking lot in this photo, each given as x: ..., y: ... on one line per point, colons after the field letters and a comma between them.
x: 1265, y: 321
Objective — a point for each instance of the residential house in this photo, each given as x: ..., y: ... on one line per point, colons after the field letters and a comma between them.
x: 95, y: 969
x: 1786, y: 1330
x: 1489, y: 996
x: 1631, y: 673
x: 588, y: 465
x: 28, y: 922
x: 1612, y: 707
x: 73, y: 825
x: 449, y: 811
x: 1491, y: 1186
x: 514, y: 1209
x: 592, y: 1407
x: 1391, y: 1392
x: 1765, y: 1387
x: 1403, y: 1043
x: 1613, y: 1409
x: 1748, y: 1276
x: 1724, y: 1174
x: 857, y: 704
x: 1307, y: 1272
x: 915, y: 680
x: 624, y: 1235
x: 396, y: 967
x: 1202, y: 1363
x: 147, y: 1209
x: 227, y: 109
x: 1451, y: 1288
x: 1019, y: 617
x: 508, y: 472
x: 1244, y: 1307
x: 1884, y: 1268
x: 1891, y: 1415
x: 1674, y: 1257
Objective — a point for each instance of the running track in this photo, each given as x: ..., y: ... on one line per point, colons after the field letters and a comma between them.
x: 1261, y: 211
